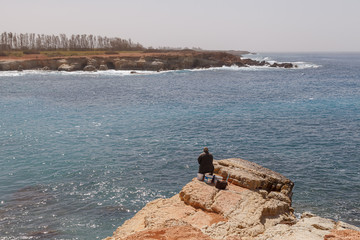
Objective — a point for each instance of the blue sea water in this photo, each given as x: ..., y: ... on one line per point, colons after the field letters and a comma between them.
x: 80, y: 153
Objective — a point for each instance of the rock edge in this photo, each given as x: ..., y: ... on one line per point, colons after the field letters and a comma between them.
x: 146, y: 61
x: 255, y: 205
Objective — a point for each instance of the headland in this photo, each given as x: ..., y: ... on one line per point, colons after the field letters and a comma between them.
x: 257, y: 204
x: 149, y: 60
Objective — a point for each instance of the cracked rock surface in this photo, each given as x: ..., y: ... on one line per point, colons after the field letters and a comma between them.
x: 255, y: 205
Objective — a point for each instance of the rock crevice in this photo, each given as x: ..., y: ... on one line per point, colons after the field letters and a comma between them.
x: 255, y: 205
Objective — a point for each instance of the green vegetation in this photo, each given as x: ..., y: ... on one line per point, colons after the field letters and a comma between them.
x: 31, y: 52
x: 14, y: 53
x: 3, y: 54
x: 70, y: 53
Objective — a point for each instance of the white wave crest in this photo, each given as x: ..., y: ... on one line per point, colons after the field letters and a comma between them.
x: 75, y: 73
x: 299, y: 65
x: 305, y: 65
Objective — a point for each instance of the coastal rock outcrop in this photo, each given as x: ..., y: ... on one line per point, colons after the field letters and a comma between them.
x: 65, y: 67
x: 89, y: 68
x: 151, y: 61
x: 255, y: 205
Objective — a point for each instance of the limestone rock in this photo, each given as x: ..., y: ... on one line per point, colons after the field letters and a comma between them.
x: 62, y: 61
x: 92, y: 62
x: 176, y: 232
x: 220, y: 214
x: 141, y: 60
x: 45, y: 68
x: 103, y: 67
x: 65, y: 67
x: 253, y: 176
x: 308, y: 227
x: 157, y: 63
x: 255, y: 205
x: 347, y: 234
x: 89, y: 68
x: 198, y: 195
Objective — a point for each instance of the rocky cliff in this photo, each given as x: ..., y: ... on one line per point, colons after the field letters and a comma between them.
x: 255, y: 205
x: 153, y: 61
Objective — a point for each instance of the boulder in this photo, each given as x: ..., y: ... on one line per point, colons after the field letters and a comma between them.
x: 250, y: 175
x: 45, y: 68
x: 103, y: 67
x: 157, y: 63
x: 62, y: 61
x: 90, y: 68
x: 65, y: 67
x: 283, y: 65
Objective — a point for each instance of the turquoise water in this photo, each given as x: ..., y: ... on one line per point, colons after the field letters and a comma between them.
x: 82, y: 152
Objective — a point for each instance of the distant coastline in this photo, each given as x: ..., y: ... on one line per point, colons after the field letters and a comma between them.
x: 30, y: 51
x: 151, y: 60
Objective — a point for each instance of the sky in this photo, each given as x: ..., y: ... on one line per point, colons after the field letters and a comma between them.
x: 251, y: 25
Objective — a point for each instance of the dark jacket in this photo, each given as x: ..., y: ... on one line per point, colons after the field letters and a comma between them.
x: 206, y: 163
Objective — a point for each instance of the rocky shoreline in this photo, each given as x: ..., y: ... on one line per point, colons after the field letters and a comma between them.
x: 150, y: 61
x: 255, y: 205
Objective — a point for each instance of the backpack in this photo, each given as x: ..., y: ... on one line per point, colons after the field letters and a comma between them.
x: 221, y: 184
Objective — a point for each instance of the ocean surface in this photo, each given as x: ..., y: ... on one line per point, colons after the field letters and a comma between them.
x: 80, y: 153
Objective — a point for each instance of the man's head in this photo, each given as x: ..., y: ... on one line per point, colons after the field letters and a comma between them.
x: 206, y: 149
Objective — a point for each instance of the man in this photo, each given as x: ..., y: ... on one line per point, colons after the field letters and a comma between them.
x: 206, y: 162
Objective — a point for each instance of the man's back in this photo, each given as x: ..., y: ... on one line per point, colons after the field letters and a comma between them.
x: 206, y: 163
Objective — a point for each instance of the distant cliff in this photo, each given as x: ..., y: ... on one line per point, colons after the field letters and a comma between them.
x: 256, y: 205
x: 152, y: 61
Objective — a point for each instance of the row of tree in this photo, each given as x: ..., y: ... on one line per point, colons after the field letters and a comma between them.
x: 41, y: 42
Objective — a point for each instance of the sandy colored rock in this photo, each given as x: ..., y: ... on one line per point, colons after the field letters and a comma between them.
x: 103, y: 67
x: 220, y: 214
x: 162, y: 213
x: 343, y: 235
x: 198, y: 195
x: 226, y: 202
x: 171, y: 233
x: 253, y: 176
x: 65, y: 67
x: 312, y: 227
x: 89, y: 68
x: 255, y: 205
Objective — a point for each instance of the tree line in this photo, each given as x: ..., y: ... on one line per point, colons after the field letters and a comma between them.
x: 76, y: 42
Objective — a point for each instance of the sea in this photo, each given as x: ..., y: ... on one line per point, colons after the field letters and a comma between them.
x: 82, y: 152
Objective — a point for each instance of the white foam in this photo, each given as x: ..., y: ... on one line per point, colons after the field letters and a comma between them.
x: 305, y: 65
x: 236, y: 68
x: 300, y: 65
x: 75, y: 73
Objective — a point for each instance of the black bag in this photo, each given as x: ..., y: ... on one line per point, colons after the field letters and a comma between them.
x: 221, y: 184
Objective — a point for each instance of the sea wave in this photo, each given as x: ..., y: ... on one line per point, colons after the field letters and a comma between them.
x: 298, y: 64
x: 64, y: 73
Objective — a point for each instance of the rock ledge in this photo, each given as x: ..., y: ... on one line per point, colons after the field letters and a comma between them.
x: 255, y: 205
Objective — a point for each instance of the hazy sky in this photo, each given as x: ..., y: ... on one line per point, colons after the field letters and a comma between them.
x: 254, y: 25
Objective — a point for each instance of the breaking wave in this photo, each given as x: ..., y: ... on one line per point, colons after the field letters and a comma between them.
x: 257, y: 57
x: 64, y: 73
x: 298, y: 64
